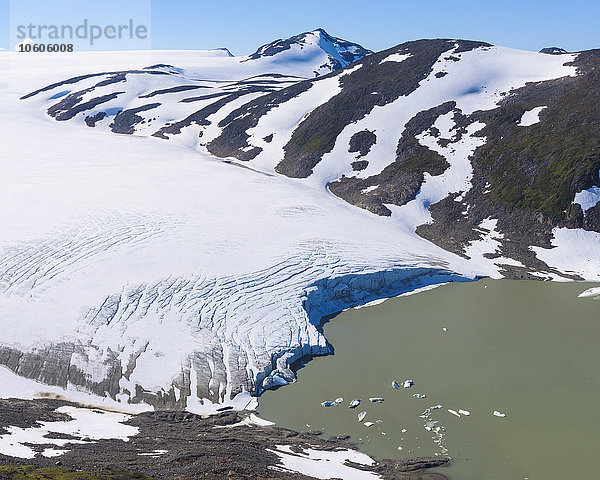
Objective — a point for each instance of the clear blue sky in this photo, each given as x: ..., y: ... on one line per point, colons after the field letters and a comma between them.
x: 243, y: 25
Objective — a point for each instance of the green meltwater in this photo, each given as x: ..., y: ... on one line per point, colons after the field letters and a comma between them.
x: 506, y: 380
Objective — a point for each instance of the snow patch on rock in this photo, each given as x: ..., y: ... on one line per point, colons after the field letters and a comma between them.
x: 282, y: 120
x: 531, y: 117
x: 575, y: 251
x: 369, y: 189
x: 588, y: 198
x: 85, y: 423
x: 396, y: 57
x: 325, y: 464
x: 489, y: 244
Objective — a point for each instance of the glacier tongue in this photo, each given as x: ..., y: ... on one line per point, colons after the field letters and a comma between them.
x: 165, y: 341
x: 143, y: 271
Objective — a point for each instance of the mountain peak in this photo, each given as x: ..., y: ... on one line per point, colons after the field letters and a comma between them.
x: 320, y: 32
x: 224, y: 51
x: 336, y: 52
x: 553, y: 50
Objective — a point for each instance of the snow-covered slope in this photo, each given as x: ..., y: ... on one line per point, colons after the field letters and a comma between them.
x: 143, y: 268
x: 138, y: 269
x: 197, y: 89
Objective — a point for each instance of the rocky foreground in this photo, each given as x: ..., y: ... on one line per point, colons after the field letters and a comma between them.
x: 174, y: 444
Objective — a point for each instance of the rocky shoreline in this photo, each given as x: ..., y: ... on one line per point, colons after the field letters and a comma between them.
x: 223, y: 446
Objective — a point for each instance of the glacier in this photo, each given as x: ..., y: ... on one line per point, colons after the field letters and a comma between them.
x: 140, y: 271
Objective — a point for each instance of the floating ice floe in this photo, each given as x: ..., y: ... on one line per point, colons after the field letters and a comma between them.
x: 329, y: 403
x: 428, y: 411
x: 395, y: 384
x: 354, y: 403
x: 466, y: 413
x: 499, y: 414
x: 408, y: 383
x: 339, y: 400
x: 368, y: 424
x: 376, y: 399
x: 430, y: 423
x: 590, y: 292
x: 361, y: 416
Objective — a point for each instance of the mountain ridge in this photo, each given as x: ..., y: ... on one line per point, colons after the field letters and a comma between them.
x: 378, y: 80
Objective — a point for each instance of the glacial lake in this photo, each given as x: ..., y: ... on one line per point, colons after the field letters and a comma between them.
x: 529, y: 350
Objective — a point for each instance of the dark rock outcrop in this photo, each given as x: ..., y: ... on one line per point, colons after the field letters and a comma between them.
x: 194, y: 447
x: 553, y: 50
